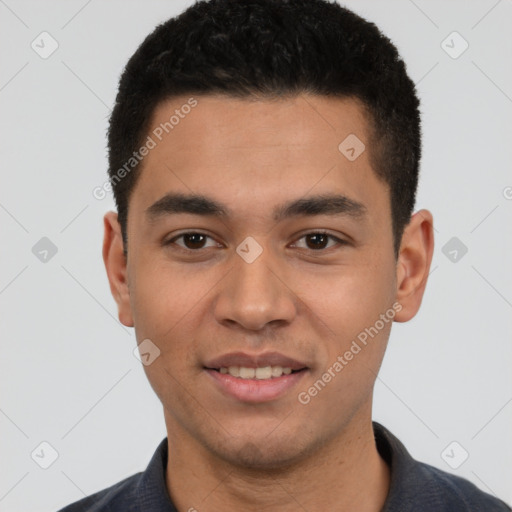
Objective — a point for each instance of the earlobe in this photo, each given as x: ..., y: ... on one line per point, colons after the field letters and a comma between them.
x: 413, y: 264
x: 116, y: 267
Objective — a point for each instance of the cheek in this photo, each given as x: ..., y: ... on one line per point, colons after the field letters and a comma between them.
x: 349, y: 306
x: 163, y: 295
x: 350, y: 298
x: 168, y: 303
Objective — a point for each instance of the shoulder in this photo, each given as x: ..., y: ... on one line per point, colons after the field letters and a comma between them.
x: 453, y: 493
x: 142, y: 491
x: 419, y: 487
x: 117, y: 497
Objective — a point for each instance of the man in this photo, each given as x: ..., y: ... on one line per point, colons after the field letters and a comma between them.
x: 264, y: 159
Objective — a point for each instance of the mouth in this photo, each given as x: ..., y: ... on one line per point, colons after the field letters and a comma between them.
x: 255, y: 378
x: 258, y: 373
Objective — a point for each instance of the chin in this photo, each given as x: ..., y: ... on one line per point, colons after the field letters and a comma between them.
x: 263, y: 454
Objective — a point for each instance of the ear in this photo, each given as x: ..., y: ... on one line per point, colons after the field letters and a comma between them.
x: 115, y: 264
x: 413, y: 264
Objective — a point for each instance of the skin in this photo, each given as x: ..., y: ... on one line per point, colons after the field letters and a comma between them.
x: 307, y: 303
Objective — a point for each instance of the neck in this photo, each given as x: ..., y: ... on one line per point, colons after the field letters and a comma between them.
x: 346, y: 473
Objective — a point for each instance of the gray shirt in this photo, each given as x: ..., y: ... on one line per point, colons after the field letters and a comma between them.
x: 415, y: 486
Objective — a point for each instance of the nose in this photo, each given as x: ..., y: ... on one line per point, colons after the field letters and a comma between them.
x: 255, y: 295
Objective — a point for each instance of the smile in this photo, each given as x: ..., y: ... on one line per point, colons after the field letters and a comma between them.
x: 261, y: 373
x: 255, y: 385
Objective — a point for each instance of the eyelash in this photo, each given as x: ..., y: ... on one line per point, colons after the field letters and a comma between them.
x: 339, y: 241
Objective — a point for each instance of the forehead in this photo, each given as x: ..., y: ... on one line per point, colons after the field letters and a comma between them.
x: 258, y: 149
x: 297, y: 124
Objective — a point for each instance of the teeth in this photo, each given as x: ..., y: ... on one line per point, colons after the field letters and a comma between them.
x: 266, y: 372
x: 247, y: 373
x: 234, y: 370
x: 277, y: 371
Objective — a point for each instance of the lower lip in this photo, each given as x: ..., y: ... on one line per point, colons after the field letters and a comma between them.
x: 255, y: 390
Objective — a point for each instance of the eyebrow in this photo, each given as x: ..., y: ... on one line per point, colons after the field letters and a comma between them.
x: 196, y: 204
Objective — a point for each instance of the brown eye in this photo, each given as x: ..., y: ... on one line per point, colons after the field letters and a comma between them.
x: 316, y: 241
x: 194, y: 240
x: 191, y: 241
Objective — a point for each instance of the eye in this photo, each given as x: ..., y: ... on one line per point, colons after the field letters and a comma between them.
x: 192, y: 241
x: 318, y: 240
x: 195, y: 241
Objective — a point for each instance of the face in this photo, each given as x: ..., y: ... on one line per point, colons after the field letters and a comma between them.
x: 284, y: 262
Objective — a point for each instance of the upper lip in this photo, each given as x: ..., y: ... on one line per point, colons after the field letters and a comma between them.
x: 254, y: 361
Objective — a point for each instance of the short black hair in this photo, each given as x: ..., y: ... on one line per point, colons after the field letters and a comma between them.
x: 270, y: 49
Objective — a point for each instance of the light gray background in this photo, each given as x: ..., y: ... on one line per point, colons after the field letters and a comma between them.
x: 67, y: 372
